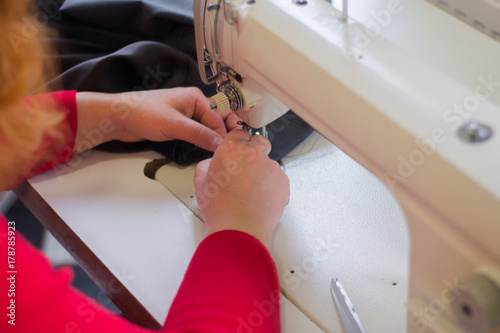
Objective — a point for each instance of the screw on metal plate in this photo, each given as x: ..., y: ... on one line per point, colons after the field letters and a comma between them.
x: 474, y: 131
x: 301, y: 2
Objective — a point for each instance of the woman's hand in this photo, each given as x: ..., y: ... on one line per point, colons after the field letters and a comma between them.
x: 241, y: 188
x: 155, y: 115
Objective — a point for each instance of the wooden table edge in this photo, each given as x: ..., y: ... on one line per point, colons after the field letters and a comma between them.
x: 131, y: 308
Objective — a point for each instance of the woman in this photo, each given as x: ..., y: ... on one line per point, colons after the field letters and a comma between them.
x: 231, y: 276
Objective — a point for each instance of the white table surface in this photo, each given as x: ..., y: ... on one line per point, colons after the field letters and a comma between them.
x: 137, y: 228
x: 341, y: 222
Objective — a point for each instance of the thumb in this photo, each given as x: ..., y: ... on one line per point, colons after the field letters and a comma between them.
x: 200, y: 172
x: 192, y: 131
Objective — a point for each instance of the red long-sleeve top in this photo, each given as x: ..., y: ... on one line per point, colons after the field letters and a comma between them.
x: 231, y: 284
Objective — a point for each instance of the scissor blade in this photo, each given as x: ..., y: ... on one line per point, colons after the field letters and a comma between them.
x: 350, y: 319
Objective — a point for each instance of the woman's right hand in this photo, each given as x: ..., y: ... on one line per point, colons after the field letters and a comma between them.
x: 241, y: 188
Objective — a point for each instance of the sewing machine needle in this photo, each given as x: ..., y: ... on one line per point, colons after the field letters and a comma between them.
x: 348, y: 315
x: 345, y: 13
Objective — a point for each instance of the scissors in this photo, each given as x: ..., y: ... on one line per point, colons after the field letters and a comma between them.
x: 348, y: 315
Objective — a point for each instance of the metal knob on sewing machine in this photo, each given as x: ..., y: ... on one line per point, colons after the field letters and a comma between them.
x: 238, y: 91
x: 229, y: 99
x: 232, y: 100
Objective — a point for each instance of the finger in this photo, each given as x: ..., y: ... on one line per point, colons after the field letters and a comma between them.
x: 198, y: 134
x: 263, y: 143
x: 238, y: 135
x: 200, y: 176
x: 212, y: 120
x: 208, y: 117
x: 232, y: 121
x: 201, y: 170
x: 226, y: 113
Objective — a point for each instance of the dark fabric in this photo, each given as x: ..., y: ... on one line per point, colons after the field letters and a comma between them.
x: 129, y: 45
x: 285, y: 133
x: 123, y: 45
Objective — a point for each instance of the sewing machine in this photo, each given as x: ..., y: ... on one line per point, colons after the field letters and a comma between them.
x: 414, y: 101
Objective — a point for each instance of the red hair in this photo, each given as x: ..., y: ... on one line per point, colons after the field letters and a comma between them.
x: 23, y: 125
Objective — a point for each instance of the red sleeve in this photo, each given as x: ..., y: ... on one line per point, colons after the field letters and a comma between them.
x: 61, y: 150
x: 231, y: 286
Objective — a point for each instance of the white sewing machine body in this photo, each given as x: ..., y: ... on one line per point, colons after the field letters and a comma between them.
x: 433, y: 139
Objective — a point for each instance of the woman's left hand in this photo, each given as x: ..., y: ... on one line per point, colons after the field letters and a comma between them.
x: 155, y: 115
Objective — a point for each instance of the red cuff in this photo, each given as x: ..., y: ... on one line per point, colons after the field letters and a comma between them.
x: 66, y: 101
